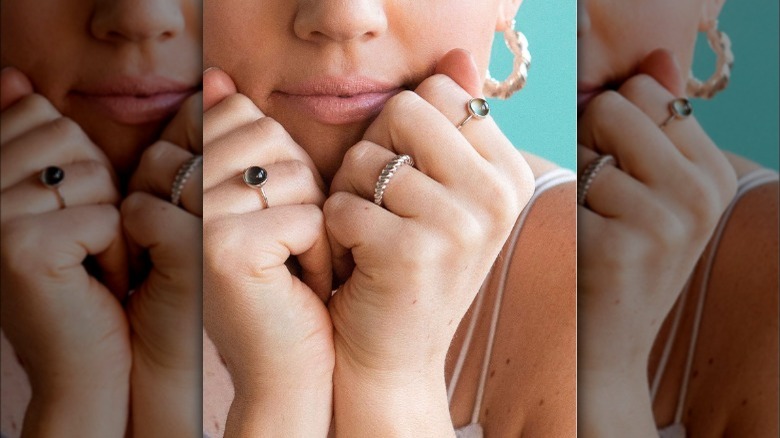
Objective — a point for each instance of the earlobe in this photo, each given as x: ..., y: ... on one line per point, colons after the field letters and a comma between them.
x: 507, y: 9
x: 709, y: 14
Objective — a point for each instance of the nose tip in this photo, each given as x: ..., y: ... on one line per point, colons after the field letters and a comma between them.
x: 137, y: 20
x: 340, y: 21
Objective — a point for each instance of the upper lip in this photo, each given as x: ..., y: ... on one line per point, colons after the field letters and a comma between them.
x: 344, y: 86
x: 141, y: 86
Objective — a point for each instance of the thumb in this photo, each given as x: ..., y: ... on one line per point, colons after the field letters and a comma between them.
x: 662, y: 66
x: 217, y: 85
x: 14, y: 85
x: 460, y: 66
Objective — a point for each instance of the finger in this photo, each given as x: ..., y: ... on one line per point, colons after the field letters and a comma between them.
x: 157, y: 170
x: 662, y: 65
x: 57, y: 142
x: 460, y: 66
x: 271, y: 236
x: 231, y: 113
x: 13, y: 86
x: 186, y: 127
x: 217, y: 85
x: 288, y: 183
x: 172, y: 236
x: 258, y: 143
x: 24, y: 114
x: 612, y: 193
x: 86, y: 230
x: 86, y: 182
x: 409, y: 193
x: 640, y: 151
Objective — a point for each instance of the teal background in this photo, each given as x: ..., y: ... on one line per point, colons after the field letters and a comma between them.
x: 743, y: 118
x: 542, y: 117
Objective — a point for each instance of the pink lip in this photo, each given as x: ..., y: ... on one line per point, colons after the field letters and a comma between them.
x: 135, y: 100
x: 585, y: 93
x: 337, y: 100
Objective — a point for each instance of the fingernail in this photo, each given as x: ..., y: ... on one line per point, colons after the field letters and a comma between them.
x: 210, y: 69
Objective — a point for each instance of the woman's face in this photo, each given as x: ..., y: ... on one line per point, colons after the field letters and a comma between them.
x: 614, y: 36
x: 324, y: 68
x: 119, y: 68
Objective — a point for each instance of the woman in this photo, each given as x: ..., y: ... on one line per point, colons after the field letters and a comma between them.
x: 100, y: 109
x: 322, y: 96
x: 677, y: 269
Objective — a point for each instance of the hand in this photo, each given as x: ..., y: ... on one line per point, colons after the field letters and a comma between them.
x: 271, y: 327
x: 419, y: 260
x: 646, y: 224
x: 165, y: 310
x: 65, y: 325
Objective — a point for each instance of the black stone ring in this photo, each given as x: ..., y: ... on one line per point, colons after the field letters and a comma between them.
x: 52, y: 178
x: 256, y: 177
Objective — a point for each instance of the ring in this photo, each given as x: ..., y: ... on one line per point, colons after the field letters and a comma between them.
x: 477, y: 107
x: 256, y: 177
x: 589, y: 174
x: 679, y: 108
x: 52, y: 178
x: 184, y: 173
x: 387, y: 173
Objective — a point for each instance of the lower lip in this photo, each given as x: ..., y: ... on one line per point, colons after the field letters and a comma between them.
x: 335, y: 110
x: 136, y: 110
x: 584, y: 98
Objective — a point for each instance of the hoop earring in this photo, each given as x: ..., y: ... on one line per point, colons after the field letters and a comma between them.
x: 720, y: 43
x: 518, y: 45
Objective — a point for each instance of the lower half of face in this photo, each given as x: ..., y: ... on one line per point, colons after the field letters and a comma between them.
x: 325, y: 70
x: 117, y: 74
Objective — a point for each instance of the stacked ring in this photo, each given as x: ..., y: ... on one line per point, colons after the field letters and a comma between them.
x: 184, y: 173
x: 589, y: 175
x: 387, y: 173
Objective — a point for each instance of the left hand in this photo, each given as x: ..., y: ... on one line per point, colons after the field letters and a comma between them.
x: 164, y: 311
x: 421, y: 258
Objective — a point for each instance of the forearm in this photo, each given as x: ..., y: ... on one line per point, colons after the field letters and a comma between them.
x: 615, y: 403
x: 94, y: 408
x: 405, y: 405
x: 300, y: 409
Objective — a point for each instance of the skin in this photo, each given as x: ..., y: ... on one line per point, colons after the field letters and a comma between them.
x: 89, y: 359
x: 296, y: 357
x: 683, y: 183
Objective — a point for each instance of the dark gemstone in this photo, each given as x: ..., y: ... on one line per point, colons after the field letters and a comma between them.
x: 479, y: 107
x: 255, y: 176
x: 52, y: 176
x: 682, y: 107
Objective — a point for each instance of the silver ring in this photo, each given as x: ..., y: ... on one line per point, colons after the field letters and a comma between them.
x: 679, y: 109
x: 477, y: 107
x: 387, y: 173
x: 184, y: 173
x: 52, y: 178
x: 589, y: 175
x: 256, y: 177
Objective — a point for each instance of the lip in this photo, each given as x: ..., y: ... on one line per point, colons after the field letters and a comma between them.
x: 337, y: 100
x: 585, y: 93
x: 135, y: 100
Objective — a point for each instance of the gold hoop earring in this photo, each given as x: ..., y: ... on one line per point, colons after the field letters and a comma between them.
x: 720, y: 43
x: 518, y: 45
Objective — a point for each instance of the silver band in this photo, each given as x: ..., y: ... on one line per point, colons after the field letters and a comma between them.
x: 387, y: 173
x: 589, y: 175
x: 184, y: 173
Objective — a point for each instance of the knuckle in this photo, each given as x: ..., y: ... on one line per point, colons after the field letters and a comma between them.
x: 358, y: 154
x: 64, y: 127
x: 240, y: 104
x: 435, y: 84
x: 38, y: 104
x: 267, y: 127
x: 402, y: 102
x: 638, y: 86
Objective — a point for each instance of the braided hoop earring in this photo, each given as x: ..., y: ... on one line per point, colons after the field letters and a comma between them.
x: 518, y: 45
x: 720, y: 43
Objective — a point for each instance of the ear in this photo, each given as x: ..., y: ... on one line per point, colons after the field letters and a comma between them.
x: 507, y: 9
x: 709, y: 14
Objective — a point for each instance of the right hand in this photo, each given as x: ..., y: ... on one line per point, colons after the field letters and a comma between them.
x: 271, y: 327
x: 67, y: 328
